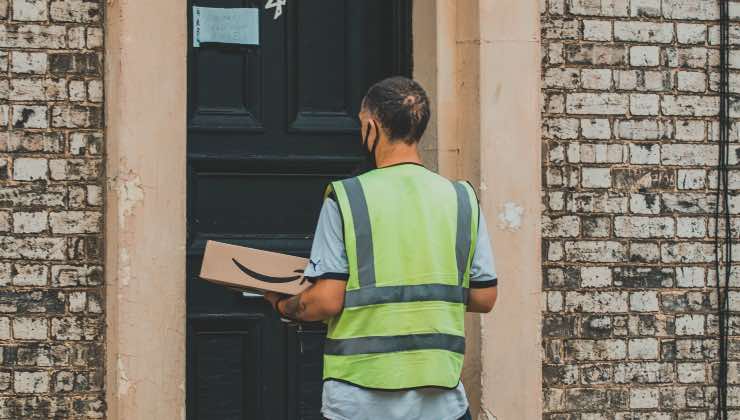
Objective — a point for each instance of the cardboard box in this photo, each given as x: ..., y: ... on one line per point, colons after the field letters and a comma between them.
x: 253, y: 270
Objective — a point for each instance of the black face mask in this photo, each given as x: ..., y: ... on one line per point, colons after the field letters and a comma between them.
x: 369, y: 163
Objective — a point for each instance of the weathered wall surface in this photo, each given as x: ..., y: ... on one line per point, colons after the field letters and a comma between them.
x: 630, y: 111
x: 51, y: 199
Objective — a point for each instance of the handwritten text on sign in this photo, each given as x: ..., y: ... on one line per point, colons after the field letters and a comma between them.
x: 229, y: 26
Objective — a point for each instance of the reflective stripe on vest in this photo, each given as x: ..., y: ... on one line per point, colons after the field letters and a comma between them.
x: 421, y: 293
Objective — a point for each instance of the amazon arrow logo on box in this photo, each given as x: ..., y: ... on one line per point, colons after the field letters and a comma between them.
x: 252, y: 269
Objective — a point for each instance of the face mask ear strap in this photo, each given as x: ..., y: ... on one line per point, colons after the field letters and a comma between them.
x: 367, y: 136
x: 377, y: 138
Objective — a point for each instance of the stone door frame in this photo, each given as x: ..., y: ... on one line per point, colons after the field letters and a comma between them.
x: 480, y: 62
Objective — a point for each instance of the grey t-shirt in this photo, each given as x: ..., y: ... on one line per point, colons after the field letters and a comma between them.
x: 342, y: 401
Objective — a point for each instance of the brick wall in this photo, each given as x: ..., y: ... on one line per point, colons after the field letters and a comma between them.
x: 630, y: 127
x: 51, y: 183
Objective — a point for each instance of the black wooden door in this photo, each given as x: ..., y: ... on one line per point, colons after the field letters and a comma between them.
x: 268, y: 127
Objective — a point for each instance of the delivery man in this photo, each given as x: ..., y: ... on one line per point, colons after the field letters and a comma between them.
x: 400, y: 254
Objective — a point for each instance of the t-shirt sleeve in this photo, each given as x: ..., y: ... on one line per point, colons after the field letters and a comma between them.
x: 328, y: 256
x: 483, y: 267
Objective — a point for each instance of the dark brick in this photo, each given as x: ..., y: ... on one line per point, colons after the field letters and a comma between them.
x: 644, y: 278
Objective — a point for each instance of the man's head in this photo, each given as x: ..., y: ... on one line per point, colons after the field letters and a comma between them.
x: 397, y: 106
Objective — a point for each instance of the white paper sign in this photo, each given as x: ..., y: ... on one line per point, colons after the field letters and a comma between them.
x: 229, y: 26
x: 277, y: 5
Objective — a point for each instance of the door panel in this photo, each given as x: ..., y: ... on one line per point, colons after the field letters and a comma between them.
x: 269, y: 126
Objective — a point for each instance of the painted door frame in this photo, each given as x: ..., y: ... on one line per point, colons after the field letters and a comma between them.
x: 483, y: 105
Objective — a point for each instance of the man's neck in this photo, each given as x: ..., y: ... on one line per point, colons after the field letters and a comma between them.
x: 397, y: 152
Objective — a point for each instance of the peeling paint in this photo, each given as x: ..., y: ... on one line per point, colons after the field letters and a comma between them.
x: 124, y: 266
x: 123, y: 382
x: 511, y: 216
x: 130, y: 193
x: 485, y: 414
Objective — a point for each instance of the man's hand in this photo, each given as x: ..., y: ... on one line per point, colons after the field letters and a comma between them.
x: 321, y: 301
x: 273, y: 297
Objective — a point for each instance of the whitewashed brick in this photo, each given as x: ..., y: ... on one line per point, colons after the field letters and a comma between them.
x: 691, y: 179
x: 645, y: 56
x: 597, y: 79
x: 75, y: 222
x: 690, y: 130
x: 596, y: 277
x: 597, y: 30
x: 627, y: 79
x: 698, y: 106
x: 75, y: 11
x: 29, y: 62
x: 95, y: 195
x: 642, y: 398
x: 29, y: 169
x: 644, y: 227
x: 597, y: 302
x: 30, y: 116
x: 30, y: 10
x: 599, y: 7
x: 695, y: 57
x: 691, y: 81
x: 644, y: 252
x: 555, y: 53
x: 31, y: 382
x: 691, y: 227
x: 597, y: 202
x: 4, y: 328
x: 645, y: 8
x: 30, y: 275
x: 647, y: 32
x: 30, y: 222
x: 687, y: 252
x: 567, y: 78
x: 554, y: 301
x: 691, y: 33
x: 689, y: 154
x: 36, y: 90
x: 77, y: 90
x: 67, y: 328
x: 76, y: 37
x: 644, y: 104
x: 645, y: 203
x: 30, y: 328
x: 691, y: 9
x: 566, y: 226
x: 643, y: 348
x: 645, y: 154
x: 595, y: 251
x: 690, y: 277
x: 597, y: 103
x: 691, y: 373
x: 95, y: 90
x: 644, y: 301
x: 94, y: 38
x: 690, y: 324
x: 556, y: 7
x: 596, y: 129
x: 657, y: 81
x: 77, y: 302
x: 594, y: 350
x: 643, y: 130
x: 596, y: 178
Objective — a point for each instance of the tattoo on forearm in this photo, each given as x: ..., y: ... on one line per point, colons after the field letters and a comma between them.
x: 294, y: 308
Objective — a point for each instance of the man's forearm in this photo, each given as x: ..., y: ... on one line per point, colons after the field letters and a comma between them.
x: 312, y: 304
x: 320, y: 301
